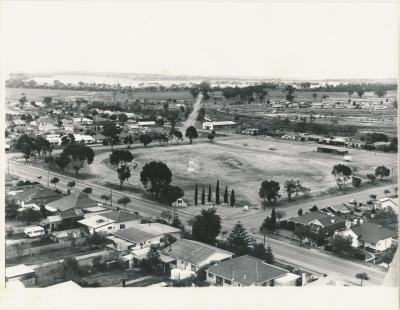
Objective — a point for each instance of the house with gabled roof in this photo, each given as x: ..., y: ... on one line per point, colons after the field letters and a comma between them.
x: 72, y: 201
x: 39, y: 195
x: 319, y: 221
x: 246, y: 270
x: 192, y: 255
x: 370, y: 235
x: 142, y: 236
x: 109, y: 222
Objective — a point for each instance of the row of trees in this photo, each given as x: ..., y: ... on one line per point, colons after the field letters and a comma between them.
x: 207, y: 226
x: 269, y: 190
x: 343, y: 174
x: 226, y: 198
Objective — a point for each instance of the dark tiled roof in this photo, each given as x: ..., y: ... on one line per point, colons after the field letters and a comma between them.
x: 71, y: 213
x: 372, y: 233
x: 37, y: 192
x: 121, y: 216
x: 325, y: 219
x: 193, y: 252
x: 133, y: 235
x: 75, y: 200
x: 247, y: 270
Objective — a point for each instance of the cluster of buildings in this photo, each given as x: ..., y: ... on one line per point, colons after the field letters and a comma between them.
x: 53, y: 124
x: 357, y: 221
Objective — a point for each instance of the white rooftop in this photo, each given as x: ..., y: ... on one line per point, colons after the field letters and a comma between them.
x: 96, y: 221
x: 18, y: 270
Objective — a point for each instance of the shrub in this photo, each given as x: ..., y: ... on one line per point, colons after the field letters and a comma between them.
x: 328, y: 247
x: 359, y: 255
x: 146, y: 221
x: 356, y: 181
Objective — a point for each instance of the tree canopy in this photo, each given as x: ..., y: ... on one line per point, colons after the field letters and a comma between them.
x: 79, y: 155
x: 154, y: 176
x: 269, y: 190
x: 191, y: 133
x: 206, y: 226
x: 342, y: 174
x: 238, y: 240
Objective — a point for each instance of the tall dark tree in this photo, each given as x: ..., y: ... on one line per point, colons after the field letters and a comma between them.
x: 153, y: 260
x: 196, y: 194
x: 217, y: 200
x: 111, y: 131
x: 145, y: 139
x: 226, y: 195
x: 232, y: 199
x: 273, y: 217
x: 62, y: 161
x: 120, y: 159
x: 71, y: 268
x: 79, y: 155
x: 42, y: 145
x: 342, y: 174
x: 203, y: 196
x: 238, y: 240
x: 382, y: 172
x: 191, y: 133
x: 170, y: 193
x: 206, y: 226
x: 269, y: 256
x: 259, y: 251
x: 154, y: 176
x: 176, y: 222
x: 269, y: 190
x: 209, y: 196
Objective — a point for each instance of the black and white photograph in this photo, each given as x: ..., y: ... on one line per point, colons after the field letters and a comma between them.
x: 200, y: 146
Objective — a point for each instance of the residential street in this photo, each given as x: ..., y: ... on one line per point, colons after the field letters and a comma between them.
x: 309, y: 258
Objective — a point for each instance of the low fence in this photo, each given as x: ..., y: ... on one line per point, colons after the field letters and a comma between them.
x: 25, y: 249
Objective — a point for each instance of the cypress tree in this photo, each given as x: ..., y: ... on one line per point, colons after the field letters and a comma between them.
x: 217, y: 193
x: 196, y: 194
x: 153, y: 260
x: 232, y: 198
x: 209, y: 193
x: 203, y: 196
x: 273, y: 218
x: 269, y: 256
x: 176, y: 222
x: 226, y: 195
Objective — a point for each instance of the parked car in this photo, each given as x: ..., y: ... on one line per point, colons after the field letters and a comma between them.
x: 34, y: 231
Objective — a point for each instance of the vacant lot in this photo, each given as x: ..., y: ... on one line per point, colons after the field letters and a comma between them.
x: 38, y: 94
x: 243, y: 163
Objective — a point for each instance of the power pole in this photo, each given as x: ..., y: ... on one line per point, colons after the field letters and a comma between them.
x: 48, y: 177
x: 111, y: 197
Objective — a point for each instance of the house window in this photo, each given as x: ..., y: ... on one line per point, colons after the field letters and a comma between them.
x: 193, y: 268
x: 109, y: 227
x: 210, y: 275
x: 229, y: 282
x: 219, y: 281
x: 122, y: 226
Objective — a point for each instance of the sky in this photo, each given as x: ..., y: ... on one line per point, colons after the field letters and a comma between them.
x: 286, y: 40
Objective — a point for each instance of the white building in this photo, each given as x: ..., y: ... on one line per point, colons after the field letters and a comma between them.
x: 82, y: 121
x: 370, y: 235
x: 110, y: 222
x: 223, y: 125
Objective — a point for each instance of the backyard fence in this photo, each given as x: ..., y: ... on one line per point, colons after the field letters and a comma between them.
x: 13, y: 251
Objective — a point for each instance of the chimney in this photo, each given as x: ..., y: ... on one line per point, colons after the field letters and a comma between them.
x: 332, y: 221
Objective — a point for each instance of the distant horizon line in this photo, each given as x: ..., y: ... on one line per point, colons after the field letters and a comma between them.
x: 205, y: 76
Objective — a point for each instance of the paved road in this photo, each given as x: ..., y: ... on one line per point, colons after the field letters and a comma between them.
x: 309, y: 258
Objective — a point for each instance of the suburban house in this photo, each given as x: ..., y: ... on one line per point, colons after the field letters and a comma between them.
x: 82, y: 121
x: 337, y: 209
x: 145, y: 124
x: 72, y: 201
x: 222, y: 125
x: 319, y: 221
x: 332, y: 150
x: 386, y: 202
x: 142, y: 236
x: 38, y: 194
x: 370, y: 235
x: 110, y: 222
x: 66, y: 235
x: 192, y: 255
x: 62, y: 219
x: 249, y: 271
